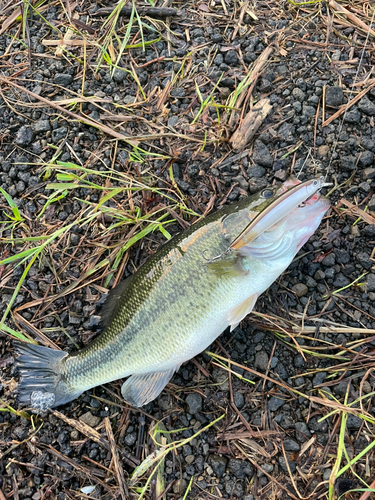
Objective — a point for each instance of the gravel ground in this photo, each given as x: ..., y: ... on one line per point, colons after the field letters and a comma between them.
x: 309, y: 350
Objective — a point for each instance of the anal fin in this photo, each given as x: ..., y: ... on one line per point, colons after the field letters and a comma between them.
x: 239, y: 312
x: 138, y: 390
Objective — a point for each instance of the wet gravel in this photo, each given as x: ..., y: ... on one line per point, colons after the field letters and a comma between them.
x: 276, y: 423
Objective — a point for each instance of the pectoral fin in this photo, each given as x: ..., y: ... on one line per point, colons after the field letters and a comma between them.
x: 238, y: 313
x: 228, y: 266
x: 139, y: 390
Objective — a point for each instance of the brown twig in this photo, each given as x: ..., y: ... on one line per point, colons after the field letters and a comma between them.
x: 347, y: 106
x: 160, y: 12
x: 251, y: 123
x: 118, y: 467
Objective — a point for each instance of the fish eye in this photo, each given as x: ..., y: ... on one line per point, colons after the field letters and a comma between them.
x: 301, y: 205
x: 267, y: 193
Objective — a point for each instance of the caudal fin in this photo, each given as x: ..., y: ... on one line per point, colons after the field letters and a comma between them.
x: 42, y: 383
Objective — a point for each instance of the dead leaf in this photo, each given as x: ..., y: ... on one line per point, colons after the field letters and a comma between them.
x: 203, y: 7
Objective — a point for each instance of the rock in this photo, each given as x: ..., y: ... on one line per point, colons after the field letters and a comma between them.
x: 302, y: 432
x: 352, y: 116
x: 368, y: 144
x: 218, y: 464
x: 240, y: 468
x: 354, y: 422
x: 262, y: 155
x: 228, y: 83
x: 281, y: 371
x: 219, y: 59
x: 298, y: 94
x: 366, y: 158
x: 119, y: 75
x: 342, y: 256
x: 319, y: 378
x: 185, y: 186
x: 291, y: 445
x: 216, y: 38
x: 130, y: 438
x: 178, y: 92
x: 367, y: 106
x: 59, y: 134
x: 319, y: 275
x: 261, y: 361
x: 238, y: 400
x: 363, y: 257
x: 256, y: 185
x: 324, y: 151
x: 341, y: 388
x: 256, y: 171
x: 283, y: 464
x: 366, y: 387
x: 368, y: 173
x: 370, y: 282
x: 265, y: 85
x: 369, y: 230
x: 24, y: 136
x: 329, y: 260
x: 89, y: 419
x: 341, y: 281
x: 179, y: 486
x: 314, y: 99
x: 281, y: 175
x: 221, y: 377
x: 308, y: 110
x: 300, y: 289
x: 334, y: 96
x: 365, y: 188
x: 231, y: 58
x: 190, y: 459
x: 310, y: 282
x: 41, y: 126
x: 20, y: 432
x: 63, y: 79
x: 241, y: 181
x: 275, y: 403
x: 371, y: 203
x: 95, y: 115
x: 172, y: 121
x: 297, y: 106
x: 194, y: 403
x: 266, y: 468
x: 348, y: 162
x: 301, y: 84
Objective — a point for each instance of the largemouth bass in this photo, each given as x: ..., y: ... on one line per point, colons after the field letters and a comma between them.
x: 175, y: 305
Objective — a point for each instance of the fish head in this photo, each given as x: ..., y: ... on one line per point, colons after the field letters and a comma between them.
x: 284, y: 239
x: 303, y: 221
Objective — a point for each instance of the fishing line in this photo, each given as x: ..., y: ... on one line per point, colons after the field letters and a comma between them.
x: 351, y: 93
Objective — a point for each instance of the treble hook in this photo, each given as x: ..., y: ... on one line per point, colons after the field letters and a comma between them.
x: 218, y: 257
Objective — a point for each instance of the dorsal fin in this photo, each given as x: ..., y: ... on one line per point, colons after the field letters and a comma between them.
x: 112, y: 302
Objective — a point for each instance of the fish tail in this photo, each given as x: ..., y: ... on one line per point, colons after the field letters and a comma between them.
x: 42, y: 382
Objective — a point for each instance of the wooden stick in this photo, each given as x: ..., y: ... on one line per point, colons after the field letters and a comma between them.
x: 352, y: 17
x: 252, y: 121
x: 347, y: 106
x: 118, y: 467
x: 142, y: 11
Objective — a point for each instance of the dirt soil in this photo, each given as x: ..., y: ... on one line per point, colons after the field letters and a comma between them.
x: 116, y: 135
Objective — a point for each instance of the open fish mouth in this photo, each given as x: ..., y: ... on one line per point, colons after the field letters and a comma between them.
x: 292, y: 195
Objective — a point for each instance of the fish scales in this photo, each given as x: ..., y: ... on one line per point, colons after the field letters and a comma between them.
x: 156, y: 301
x: 175, y: 305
